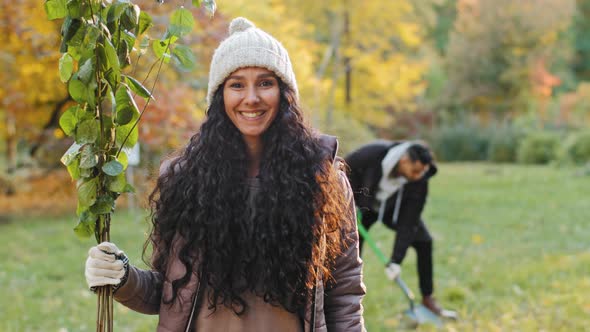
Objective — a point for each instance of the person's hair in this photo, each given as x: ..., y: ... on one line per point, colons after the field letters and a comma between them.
x: 418, y: 152
x: 200, y: 211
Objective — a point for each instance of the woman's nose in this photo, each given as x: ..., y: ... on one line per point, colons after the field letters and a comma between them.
x: 251, y: 96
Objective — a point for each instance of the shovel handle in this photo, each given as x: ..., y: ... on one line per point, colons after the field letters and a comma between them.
x: 407, y: 291
x: 365, y: 234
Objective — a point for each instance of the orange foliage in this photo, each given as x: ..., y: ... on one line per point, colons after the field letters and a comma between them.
x: 542, y: 80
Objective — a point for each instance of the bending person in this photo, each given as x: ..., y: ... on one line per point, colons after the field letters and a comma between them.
x: 390, y: 183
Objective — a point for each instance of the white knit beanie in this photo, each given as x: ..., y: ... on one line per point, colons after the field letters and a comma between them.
x: 248, y: 46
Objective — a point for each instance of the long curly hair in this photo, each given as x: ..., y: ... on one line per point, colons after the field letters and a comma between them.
x: 276, y: 245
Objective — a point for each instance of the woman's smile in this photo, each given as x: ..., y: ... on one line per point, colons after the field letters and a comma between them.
x: 252, y: 115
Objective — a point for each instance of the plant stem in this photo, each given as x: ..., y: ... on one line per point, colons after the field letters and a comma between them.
x: 146, y: 103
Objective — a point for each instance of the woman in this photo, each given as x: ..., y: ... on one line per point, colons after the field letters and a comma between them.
x: 253, y: 224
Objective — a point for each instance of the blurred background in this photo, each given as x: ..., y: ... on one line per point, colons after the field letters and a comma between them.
x: 500, y: 90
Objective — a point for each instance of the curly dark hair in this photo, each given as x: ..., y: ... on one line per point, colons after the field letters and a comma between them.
x: 276, y: 245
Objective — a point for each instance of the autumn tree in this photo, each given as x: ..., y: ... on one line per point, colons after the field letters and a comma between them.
x: 501, y: 53
x: 31, y: 94
x: 581, y: 30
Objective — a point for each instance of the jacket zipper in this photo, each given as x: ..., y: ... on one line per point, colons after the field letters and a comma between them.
x: 193, y: 308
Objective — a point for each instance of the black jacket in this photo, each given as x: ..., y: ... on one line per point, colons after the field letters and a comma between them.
x: 365, y: 173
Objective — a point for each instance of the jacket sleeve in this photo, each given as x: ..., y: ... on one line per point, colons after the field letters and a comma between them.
x: 413, y: 201
x: 343, y: 296
x: 142, y: 292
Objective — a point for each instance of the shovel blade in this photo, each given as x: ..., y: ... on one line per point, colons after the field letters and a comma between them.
x: 422, y: 316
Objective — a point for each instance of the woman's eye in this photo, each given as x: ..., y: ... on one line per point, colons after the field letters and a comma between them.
x: 235, y: 85
x: 267, y: 83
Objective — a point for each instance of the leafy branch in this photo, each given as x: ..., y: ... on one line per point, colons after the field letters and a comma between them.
x: 98, y: 40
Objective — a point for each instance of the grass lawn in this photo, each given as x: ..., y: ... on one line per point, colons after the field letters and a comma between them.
x: 512, y: 253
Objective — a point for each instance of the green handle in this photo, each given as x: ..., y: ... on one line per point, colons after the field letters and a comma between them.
x: 365, y: 234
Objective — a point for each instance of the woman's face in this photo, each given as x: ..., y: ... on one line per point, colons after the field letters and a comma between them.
x: 251, y: 96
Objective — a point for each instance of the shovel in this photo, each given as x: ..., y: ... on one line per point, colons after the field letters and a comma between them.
x: 418, y: 314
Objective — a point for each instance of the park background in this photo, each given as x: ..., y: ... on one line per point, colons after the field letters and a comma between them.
x: 499, y: 89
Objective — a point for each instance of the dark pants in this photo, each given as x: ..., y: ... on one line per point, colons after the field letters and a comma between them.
x: 422, y: 243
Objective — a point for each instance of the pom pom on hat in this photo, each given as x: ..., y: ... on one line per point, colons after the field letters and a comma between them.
x: 240, y: 24
x: 248, y: 46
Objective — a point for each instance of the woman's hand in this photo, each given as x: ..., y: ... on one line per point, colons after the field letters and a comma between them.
x: 106, y: 265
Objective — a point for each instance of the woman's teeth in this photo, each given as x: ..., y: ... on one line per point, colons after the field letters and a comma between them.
x: 251, y: 114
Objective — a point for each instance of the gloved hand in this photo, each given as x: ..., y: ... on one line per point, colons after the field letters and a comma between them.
x: 106, y: 265
x: 393, y: 270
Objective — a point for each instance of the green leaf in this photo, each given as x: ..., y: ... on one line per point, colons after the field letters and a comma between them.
x: 185, y: 59
x: 87, y: 192
x: 78, y: 31
x: 123, y: 54
x: 115, y: 11
x: 123, y: 131
x: 86, y: 71
x: 55, y: 9
x: 137, y: 87
x: 78, y: 90
x: 112, y: 168
x: 210, y: 6
x: 197, y: 3
x: 104, y: 204
x: 126, y: 108
x: 122, y: 158
x: 81, y: 8
x: 66, y: 66
x: 87, y: 131
x: 117, y: 183
x: 145, y: 22
x: 76, y: 8
x: 86, y: 224
x: 69, y: 119
x: 111, y: 54
x: 182, y: 22
x: 71, y: 154
x: 162, y: 48
x: 129, y: 37
x: 109, y: 63
x: 69, y: 29
x: 86, y: 172
x: 130, y: 18
x: 90, y: 37
x: 88, y: 157
x: 74, y: 169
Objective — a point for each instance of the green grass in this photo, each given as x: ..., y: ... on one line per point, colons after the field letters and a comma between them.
x: 512, y: 253
x: 42, y: 276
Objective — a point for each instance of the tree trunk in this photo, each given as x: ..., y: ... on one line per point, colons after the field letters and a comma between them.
x: 10, y: 123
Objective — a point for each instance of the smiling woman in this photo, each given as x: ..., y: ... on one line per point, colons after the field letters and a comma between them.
x: 254, y: 226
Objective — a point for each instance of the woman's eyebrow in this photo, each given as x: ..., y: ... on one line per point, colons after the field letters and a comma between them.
x: 235, y: 77
x: 267, y: 75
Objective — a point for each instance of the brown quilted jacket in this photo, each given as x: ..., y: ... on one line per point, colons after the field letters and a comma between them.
x: 336, y: 306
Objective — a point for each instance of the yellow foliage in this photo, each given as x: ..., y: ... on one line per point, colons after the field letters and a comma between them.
x: 30, y: 84
x: 382, y: 41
